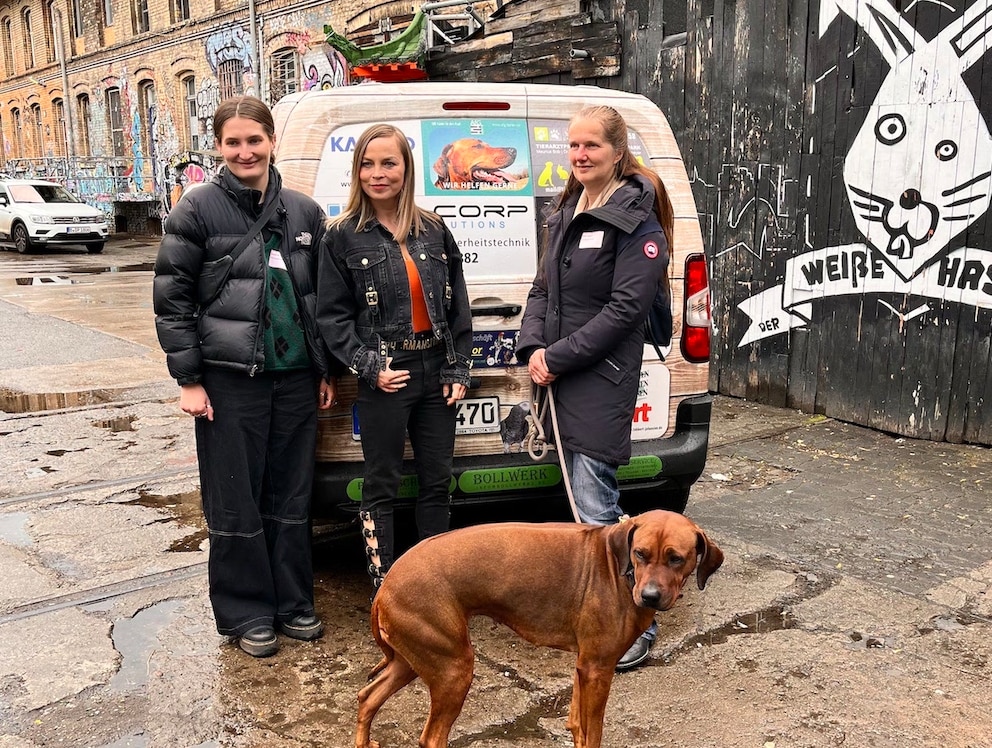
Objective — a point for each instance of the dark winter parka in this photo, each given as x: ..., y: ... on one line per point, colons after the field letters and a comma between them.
x: 587, y: 307
x: 227, y: 332
x: 364, y: 296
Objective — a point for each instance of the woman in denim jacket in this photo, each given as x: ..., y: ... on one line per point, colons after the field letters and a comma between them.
x: 393, y: 307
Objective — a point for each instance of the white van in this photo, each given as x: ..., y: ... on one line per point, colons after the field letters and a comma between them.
x: 489, y: 158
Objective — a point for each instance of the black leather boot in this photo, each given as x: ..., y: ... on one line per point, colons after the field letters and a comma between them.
x: 377, y: 530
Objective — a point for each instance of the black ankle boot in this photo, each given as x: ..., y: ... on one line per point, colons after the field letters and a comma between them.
x: 377, y: 530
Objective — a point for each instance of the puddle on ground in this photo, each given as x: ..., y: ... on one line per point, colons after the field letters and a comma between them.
x: 760, y: 622
x: 185, y: 507
x: 49, y: 280
x: 135, y: 639
x: 120, y: 423
x: 12, y: 529
x: 138, y: 267
x: 63, y: 452
x: 39, y: 472
x: 62, y: 279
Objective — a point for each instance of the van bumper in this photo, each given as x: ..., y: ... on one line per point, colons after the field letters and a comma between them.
x: 515, y: 487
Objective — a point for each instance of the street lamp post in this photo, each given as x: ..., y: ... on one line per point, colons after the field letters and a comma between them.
x: 70, y: 137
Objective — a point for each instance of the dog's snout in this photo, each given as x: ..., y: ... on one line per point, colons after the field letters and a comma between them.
x: 651, y: 596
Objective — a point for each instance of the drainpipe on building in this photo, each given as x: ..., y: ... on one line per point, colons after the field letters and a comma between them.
x: 70, y: 135
x: 254, y: 48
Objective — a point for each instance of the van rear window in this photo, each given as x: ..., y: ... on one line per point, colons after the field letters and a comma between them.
x: 489, y: 178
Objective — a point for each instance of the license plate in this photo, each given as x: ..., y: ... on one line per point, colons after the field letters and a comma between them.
x: 77, y: 229
x: 476, y: 415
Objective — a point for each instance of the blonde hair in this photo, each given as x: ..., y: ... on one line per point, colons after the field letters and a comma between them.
x: 615, y: 133
x: 409, y: 216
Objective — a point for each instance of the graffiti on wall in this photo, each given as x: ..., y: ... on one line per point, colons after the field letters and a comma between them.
x: 324, y: 68
x: 916, y: 175
x: 232, y: 44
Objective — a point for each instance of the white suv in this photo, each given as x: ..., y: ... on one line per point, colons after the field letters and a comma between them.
x: 35, y: 214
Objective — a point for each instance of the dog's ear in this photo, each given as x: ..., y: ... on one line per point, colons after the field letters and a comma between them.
x: 441, y: 165
x: 620, y: 538
x: 709, y: 558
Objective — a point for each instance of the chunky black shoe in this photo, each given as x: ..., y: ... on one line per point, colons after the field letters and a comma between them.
x: 259, y: 641
x: 636, y: 655
x: 304, y: 628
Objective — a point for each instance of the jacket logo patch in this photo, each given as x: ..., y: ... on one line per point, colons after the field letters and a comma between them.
x: 305, y: 239
x: 650, y: 250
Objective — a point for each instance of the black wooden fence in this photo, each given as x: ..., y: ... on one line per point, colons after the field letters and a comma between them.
x: 842, y: 168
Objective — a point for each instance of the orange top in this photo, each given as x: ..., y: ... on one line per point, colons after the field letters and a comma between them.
x: 421, y: 319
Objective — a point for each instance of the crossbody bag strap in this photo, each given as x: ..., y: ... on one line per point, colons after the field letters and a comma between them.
x: 255, y: 227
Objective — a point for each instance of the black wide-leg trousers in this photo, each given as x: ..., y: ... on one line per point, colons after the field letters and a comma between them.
x: 256, y: 473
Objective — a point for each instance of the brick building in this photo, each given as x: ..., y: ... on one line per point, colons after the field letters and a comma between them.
x: 116, y: 97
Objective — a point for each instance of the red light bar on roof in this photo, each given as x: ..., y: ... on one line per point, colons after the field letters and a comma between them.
x: 470, y: 106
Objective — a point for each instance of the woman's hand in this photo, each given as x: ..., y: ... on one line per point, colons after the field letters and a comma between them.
x: 537, y: 367
x: 193, y: 400
x: 392, y: 380
x: 453, y: 392
x: 328, y: 393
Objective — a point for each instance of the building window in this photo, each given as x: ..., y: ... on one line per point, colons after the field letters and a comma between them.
x: 146, y: 111
x: 141, y: 20
x: 192, y: 121
x: 83, y: 108
x: 230, y: 81
x: 8, y: 48
x: 285, y: 74
x: 181, y: 10
x: 39, y: 130
x: 115, y: 120
x: 27, y: 33
x: 15, y: 115
x: 61, y: 138
x: 77, y: 18
x: 108, y: 13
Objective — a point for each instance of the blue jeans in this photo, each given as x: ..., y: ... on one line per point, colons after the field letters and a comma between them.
x: 595, y: 488
x: 597, y: 496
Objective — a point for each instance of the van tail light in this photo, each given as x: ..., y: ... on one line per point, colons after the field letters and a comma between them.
x: 696, y: 314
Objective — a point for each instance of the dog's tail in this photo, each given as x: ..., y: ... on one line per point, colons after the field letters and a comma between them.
x: 387, y: 650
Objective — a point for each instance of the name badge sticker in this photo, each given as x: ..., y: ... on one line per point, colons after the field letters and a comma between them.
x: 591, y: 240
x: 276, y: 261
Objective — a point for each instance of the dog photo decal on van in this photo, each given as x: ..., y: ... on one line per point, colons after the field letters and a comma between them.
x: 917, y: 175
x: 477, y: 154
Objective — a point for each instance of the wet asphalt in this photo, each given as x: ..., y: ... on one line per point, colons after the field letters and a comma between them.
x: 853, y: 608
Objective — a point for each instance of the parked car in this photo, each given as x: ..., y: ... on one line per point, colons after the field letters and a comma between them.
x: 496, y: 221
x: 35, y: 214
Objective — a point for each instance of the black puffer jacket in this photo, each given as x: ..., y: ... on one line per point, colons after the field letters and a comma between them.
x: 206, y: 225
x: 587, y: 307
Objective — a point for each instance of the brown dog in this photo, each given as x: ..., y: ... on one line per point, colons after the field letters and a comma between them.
x: 469, y: 162
x: 583, y: 588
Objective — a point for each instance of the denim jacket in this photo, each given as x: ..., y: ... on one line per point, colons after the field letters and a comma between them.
x: 363, y: 296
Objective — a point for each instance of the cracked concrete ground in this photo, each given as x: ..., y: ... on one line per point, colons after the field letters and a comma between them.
x: 853, y: 608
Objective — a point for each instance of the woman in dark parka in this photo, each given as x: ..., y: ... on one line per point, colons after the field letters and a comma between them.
x: 605, y: 258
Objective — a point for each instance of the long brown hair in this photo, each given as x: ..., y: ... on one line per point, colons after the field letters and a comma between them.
x: 615, y: 133
x: 409, y: 217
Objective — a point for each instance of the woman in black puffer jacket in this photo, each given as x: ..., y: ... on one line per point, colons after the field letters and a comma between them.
x: 252, y: 369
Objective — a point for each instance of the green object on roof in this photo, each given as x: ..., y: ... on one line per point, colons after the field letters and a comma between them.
x: 410, y: 46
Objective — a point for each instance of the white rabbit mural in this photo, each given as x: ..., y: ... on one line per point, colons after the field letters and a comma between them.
x: 918, y: 172
x: 917, y: 175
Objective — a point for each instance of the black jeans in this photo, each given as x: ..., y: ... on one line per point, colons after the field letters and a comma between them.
x: 256, y: 473
x: 419, y: 409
